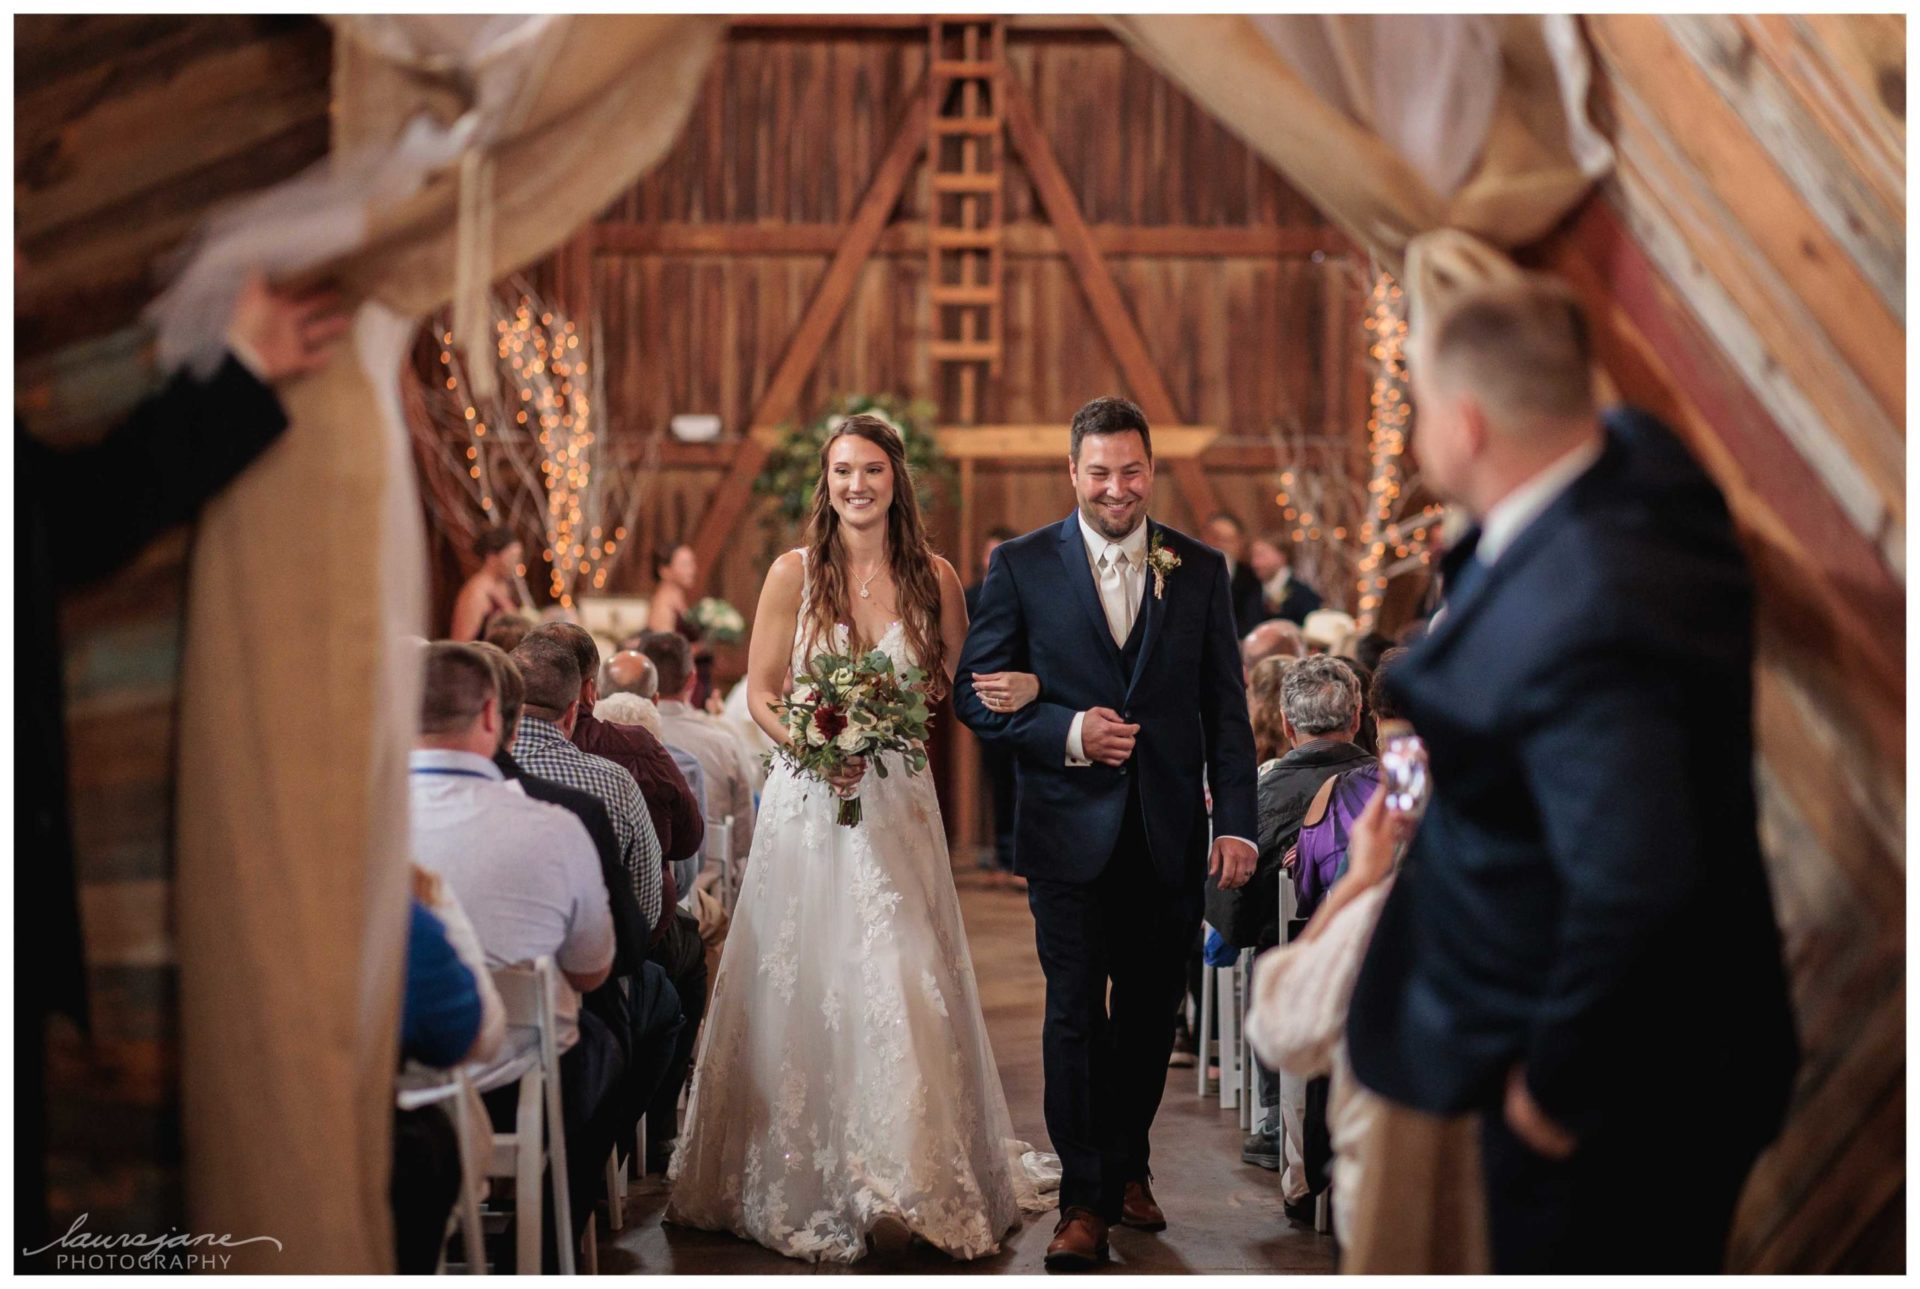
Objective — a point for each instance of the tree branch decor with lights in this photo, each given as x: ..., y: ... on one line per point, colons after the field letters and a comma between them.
x: 532, y: 456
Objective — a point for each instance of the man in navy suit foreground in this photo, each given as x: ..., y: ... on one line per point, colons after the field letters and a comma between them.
x: 1581, y: 946
x: 1129, y: 627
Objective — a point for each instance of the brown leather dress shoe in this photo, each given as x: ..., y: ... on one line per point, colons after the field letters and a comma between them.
x: 1079, y: 1241
x: 1139, y: 1210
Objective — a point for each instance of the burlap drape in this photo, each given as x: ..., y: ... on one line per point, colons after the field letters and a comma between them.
x: 1382, y: 121
x: 298, y: 693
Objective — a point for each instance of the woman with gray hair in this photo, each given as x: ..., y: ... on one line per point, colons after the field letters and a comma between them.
x: 1320, y: 714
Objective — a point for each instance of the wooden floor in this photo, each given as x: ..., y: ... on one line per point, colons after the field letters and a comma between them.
x: 1224, y: 1215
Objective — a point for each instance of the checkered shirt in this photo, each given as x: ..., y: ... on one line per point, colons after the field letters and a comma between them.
x: 541, y: 749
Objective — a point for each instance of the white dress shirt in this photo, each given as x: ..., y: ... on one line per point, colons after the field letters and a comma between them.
x: 1507, y: 518
x: 1119, y: 573
x: 526, y: 873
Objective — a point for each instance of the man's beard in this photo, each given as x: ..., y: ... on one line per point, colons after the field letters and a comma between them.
x: 1105, y: 527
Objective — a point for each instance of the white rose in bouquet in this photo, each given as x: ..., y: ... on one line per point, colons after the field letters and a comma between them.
x: 850, y: 740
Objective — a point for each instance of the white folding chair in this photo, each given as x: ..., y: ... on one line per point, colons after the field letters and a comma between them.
x: 534, y: 1146
x: 1203, y: 1027
x: 1242, y: 996
x: 1227, y: 990
x: 720, y: 847
x: 417, y: 1088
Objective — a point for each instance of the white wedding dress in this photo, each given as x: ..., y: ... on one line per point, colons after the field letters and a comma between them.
x: 844, y: 1075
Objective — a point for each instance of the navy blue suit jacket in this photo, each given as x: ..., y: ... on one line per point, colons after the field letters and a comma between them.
x: 1040, y: 612
x: 1585, y: 895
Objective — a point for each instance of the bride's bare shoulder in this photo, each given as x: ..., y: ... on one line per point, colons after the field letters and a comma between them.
x: 786, y: 573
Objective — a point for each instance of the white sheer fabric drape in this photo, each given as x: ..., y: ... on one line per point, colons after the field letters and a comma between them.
x: 1398, y: 124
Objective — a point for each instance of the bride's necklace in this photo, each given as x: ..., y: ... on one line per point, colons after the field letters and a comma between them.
x: 867, y: 581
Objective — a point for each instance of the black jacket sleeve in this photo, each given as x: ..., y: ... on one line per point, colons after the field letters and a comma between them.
x: 105, y: 501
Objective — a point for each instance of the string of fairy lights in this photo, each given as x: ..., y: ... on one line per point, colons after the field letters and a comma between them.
x: 1349, y: 534
x: 1388, y: 546
x: 546, y: 403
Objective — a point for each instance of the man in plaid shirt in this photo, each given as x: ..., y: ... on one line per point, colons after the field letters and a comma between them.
x: 543, y: 747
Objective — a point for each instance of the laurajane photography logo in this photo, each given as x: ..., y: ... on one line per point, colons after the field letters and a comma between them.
x: 83, y: 1250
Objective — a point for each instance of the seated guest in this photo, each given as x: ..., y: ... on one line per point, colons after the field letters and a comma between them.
x: 437, y: 898
x: 677, y: 822
x: 631, y: 675
x: 441, y: 1025
x: 633, y: 935
x: 1281, y: 595
x: 543, y: 746
x: 1297, y: 1023
x: 527, y: 876
x: 754, y: 744
x: 1226, y: 534
x: 629, y: 709
x: 1274, y: 639
x: 640, y: 1003
x: 1368, y: 649
x: 678, y: 949
x: 630, y: 672
x: 1325, y: 630
x: 1266, y: 707
x: 1320, y: 713
x: 505, y: 631
x: 696, y: 732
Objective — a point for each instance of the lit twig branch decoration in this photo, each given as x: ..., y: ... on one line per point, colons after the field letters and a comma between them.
x: 533, y: 456
x: 1389, y: 545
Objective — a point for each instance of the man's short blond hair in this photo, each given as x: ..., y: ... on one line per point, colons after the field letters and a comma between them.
x: 1520, y: 348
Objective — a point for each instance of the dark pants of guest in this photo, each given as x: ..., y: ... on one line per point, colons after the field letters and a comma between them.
x: 997, y: 764
x: 644, y: 1012
x: 1106, y: 1059
x: 590, y: 1073
x: 424, y: 1186
x: 682, y: 955
x: 1566, y: 1217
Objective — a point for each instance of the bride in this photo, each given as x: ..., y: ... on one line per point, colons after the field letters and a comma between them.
x: 845, y: 1088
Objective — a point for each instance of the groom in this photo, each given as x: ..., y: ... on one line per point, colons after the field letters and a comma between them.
x: 1129, y: 626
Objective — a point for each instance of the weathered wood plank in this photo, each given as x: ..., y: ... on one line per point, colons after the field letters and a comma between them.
x: 1734, y: 332
x: 1790, y: 362
x: 1665, y: 101
x: 1857, y: 119
x: 1848, y: 206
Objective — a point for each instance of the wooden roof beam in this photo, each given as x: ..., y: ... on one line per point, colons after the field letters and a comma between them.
x: 1108, y: 306
x: 816, y: 326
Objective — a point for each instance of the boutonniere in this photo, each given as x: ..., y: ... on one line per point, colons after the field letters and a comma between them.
x: 1160, y: 561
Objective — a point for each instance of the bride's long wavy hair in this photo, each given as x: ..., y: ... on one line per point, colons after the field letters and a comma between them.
x: 909, y: 557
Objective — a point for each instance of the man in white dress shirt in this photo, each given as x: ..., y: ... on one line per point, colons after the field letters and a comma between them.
x: 528, y: 877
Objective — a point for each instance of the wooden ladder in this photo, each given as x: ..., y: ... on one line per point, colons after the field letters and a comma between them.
x: 965, y: 151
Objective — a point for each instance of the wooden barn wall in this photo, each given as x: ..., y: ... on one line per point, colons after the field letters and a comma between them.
x: 1746, y: 265
x: 1250, y: 334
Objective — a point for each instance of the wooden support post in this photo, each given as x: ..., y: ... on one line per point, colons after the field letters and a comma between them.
x: 816, y: 325
x: 1109, y: 308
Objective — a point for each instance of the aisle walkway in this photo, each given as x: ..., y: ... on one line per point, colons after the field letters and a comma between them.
x: 1224, y: 1215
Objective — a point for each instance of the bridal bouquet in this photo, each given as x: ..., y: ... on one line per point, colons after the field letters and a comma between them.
x: 846, y: 707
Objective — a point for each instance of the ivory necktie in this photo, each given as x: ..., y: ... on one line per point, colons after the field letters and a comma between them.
x: 1113, y: 594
